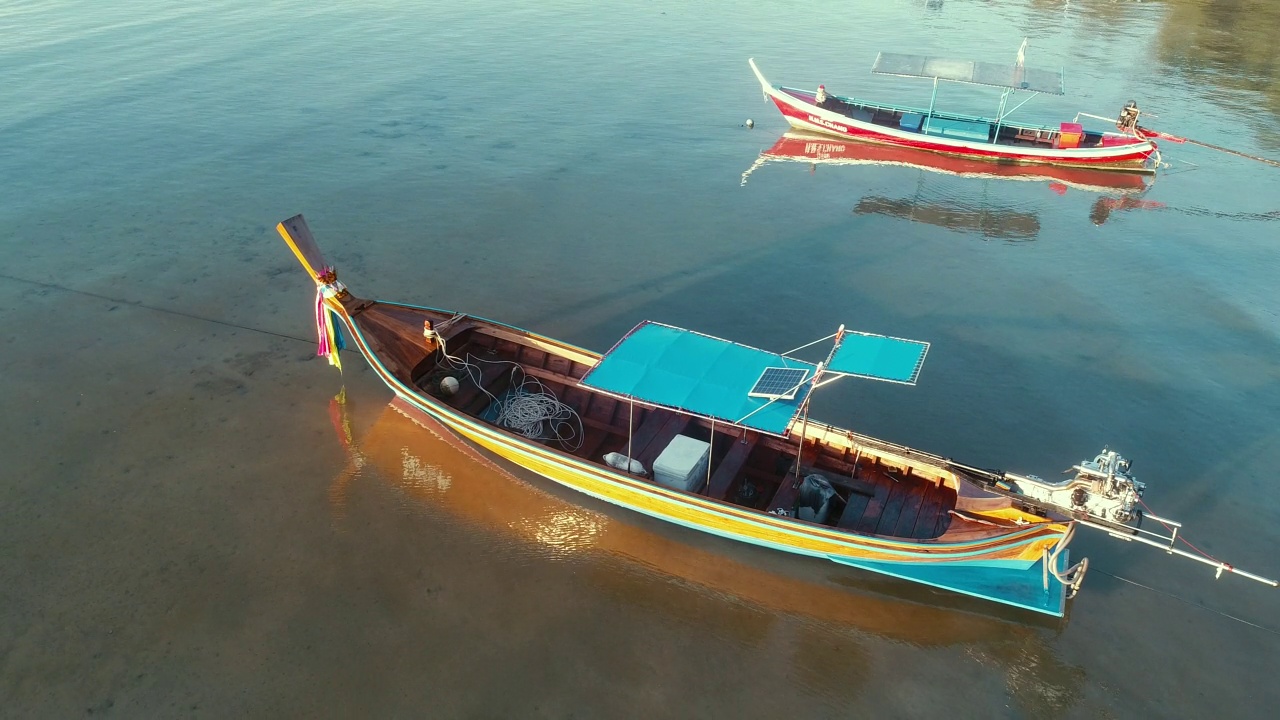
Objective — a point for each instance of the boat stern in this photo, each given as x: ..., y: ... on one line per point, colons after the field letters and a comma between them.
x: 1037, y: 587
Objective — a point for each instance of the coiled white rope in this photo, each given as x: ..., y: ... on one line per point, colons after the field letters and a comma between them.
x: 531, y: 408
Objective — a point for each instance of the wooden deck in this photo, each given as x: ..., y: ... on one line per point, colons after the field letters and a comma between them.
x: 747, y: 469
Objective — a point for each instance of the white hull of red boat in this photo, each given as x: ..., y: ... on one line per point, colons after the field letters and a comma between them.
x: 804, y: 115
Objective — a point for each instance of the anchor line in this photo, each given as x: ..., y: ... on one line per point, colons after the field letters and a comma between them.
x: 1229, y: 151
x: 137, y: 304
x: 1148, y: 133
x: 1179, y: 598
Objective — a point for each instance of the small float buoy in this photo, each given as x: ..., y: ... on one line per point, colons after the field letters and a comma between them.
x: 750, y: 123
x: 448, y: 385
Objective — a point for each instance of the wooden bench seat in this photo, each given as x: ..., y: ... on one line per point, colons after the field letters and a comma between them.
x: 724, y: 475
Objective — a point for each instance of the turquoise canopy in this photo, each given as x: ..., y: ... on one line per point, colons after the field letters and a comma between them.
x: 877, y: 357
x: 697, y: 374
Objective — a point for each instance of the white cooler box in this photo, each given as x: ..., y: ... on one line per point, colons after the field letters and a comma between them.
x: 682, y: 464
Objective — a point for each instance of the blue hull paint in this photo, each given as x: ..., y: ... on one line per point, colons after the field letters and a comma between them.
x: 1019, y: 588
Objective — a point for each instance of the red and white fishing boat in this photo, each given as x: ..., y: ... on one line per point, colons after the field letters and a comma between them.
x: 995, y: 140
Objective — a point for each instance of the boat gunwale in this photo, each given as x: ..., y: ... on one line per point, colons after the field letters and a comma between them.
x: 932, y: 550
x: 1098, y: 157
x: 799, y: 94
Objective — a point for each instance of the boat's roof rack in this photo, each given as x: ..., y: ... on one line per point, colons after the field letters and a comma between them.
x: 732, y: 383
x: 1010, y: 76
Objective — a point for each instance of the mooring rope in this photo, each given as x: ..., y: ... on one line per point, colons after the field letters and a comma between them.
x: 144, y: 306
x: 1197, y: 605
x: 528, y: 412
x: 530, y: 408
x: 1229, y: 151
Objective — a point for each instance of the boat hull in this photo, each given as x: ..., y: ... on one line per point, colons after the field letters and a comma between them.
x: 1008, y: 567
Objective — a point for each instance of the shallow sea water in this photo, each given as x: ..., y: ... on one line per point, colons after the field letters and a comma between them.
x: 193, y: 524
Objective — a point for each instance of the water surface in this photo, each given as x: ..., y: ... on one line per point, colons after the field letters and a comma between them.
x: 186, y: 533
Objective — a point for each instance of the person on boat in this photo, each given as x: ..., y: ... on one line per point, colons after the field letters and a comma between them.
x: 1128, y: 121
x: 820, y: 97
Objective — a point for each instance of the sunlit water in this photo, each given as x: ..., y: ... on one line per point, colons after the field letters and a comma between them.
x: 186, y: 533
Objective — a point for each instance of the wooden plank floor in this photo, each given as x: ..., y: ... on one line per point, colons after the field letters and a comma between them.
x: 908, y: 507
x: 876, y: 501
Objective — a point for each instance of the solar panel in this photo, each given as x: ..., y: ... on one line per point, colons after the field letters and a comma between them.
x: 779, y: 383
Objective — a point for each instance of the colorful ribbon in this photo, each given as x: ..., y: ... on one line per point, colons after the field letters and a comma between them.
x: 327, y: 332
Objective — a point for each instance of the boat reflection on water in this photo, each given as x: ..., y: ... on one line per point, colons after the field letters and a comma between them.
x: 989, y: 222
x: 1104, y: 206
x: 440, y: 471
x: 1120, y: 190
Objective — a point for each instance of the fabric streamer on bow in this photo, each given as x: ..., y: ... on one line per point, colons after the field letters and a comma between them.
x: 327, y: 332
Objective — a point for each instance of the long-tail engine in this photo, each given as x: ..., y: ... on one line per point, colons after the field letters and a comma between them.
x: 1128, y: 120
x: 1103, y: 489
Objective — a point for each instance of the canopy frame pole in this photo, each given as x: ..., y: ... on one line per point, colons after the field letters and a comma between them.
x: 932, y: 100
x: 833, y: 378
x: 804, y: 423
x: 804, y: 426
x: 711, y: 446
x: 631, y: 421
x: 1030, y: 97
x: 839, y: 336
x: 772, y: 400
x: 1004, y: 100
x: 815, y: 342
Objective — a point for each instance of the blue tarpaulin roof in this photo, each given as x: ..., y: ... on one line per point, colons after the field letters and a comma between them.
x: 878, y: 357
x: 697, y: 374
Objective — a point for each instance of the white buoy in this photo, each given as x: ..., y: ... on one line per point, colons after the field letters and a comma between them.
x: 750, y: 123
x: 448, y: 385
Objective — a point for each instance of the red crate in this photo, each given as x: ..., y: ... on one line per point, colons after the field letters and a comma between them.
x: 1069, y: 135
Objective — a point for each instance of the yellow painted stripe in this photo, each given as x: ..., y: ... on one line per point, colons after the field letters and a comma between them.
x: 296, y: 251
x: 684, y: 512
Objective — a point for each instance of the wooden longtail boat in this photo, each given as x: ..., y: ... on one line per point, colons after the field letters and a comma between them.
x: 715, y: 436
x: 991, y: 139
x: 816, y: 149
